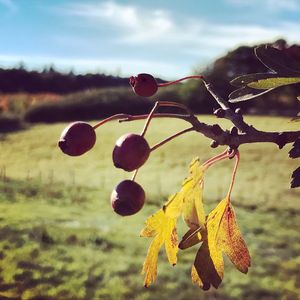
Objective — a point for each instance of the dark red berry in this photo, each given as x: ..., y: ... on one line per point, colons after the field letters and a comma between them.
x: 144, y: 85
x: 77, y: 138
x: 127, y: 198
x: 131, y: 152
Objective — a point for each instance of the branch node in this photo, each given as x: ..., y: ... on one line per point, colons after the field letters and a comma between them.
x: 214, y: 144
x: 216, y: 129
x: 234, y: 131
x: 220, y: 113
x: 281, y: 139
x: 238, y: 111
x: 232, y: 150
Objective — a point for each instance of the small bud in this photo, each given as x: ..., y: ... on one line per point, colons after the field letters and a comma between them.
x: 295, y: 151
x: 216, y: 129
x: 238, y: 111
x: 214, y: 144
x: 77, y: 138
x: 281, y: 140
x: 143, y: 85
x: 231, y: 151
x: 219, y: 113
x: 234, y: 131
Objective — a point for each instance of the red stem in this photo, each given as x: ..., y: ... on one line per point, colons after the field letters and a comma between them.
x: 171, y: 138
x: 134, y: 174
x: 156, y: 106
x: 237, y: 160
x: 179, y: 80
x: 215, y: 159
x: 114, y: 117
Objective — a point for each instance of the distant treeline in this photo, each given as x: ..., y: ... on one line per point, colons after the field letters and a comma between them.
x: 98, y: 96
x: 51, y: 81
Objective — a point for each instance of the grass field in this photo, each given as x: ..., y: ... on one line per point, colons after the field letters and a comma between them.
x: 59, y: 238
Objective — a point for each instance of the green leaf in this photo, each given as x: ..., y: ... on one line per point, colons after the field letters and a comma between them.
x: 246, y: 79
x: 271, y: 83
x: 277, y: 61
x: 245, y: 93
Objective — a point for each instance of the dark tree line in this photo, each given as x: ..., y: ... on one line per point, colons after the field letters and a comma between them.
x: 20, y: 80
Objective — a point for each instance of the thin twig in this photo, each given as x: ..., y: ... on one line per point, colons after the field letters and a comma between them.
x: 172, y: 137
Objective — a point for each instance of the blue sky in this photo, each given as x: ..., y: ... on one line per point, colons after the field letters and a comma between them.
x: 165, y: 38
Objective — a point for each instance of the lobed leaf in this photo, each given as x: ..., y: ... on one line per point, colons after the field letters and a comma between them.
x: 188, y: 201
x: 225, y: 236
x: 162, y: 225
x: 163, y: 229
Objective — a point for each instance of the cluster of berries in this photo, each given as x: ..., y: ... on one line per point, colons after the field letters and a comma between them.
x: 130, y: 152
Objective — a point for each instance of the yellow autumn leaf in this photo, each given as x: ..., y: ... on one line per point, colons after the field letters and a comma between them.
x: 163, y: 229
x: 191, y: 238
x: 204, y: 272
x: 222, y: 236
x: 188, y: 201
x: 162, y: 225
x: 225, y: 236
x: 231, y: 242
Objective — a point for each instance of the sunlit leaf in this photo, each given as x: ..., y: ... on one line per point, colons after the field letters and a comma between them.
x: 246, y: 93
x: 243, y: 80
x: 271, y: 83
x: 188, y: 201
x: 225, y: 236
x: 163, y: 229
x: 277, y: 61
x: 162, y: 225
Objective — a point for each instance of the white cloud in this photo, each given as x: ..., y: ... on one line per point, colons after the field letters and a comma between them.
x: 140, y: 27
x: 270, y: 5
x: 140, y: 24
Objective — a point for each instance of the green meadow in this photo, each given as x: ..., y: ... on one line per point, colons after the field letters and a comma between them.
x: 60, y: 239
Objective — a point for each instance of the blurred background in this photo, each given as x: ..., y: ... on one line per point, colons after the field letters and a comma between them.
x: 62, y: 61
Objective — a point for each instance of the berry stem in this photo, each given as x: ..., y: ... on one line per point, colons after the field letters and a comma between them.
x: 160, y: 104
x: 218, y: 157
x: 215, y: 159
x: 181, y: 79
x: 158, y: 115
x: 156, y: 105
x: 127, y: 117
x: 237, y: 160
x: 111, y: 118
x: 134, y: 174
x: 171, y: 138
